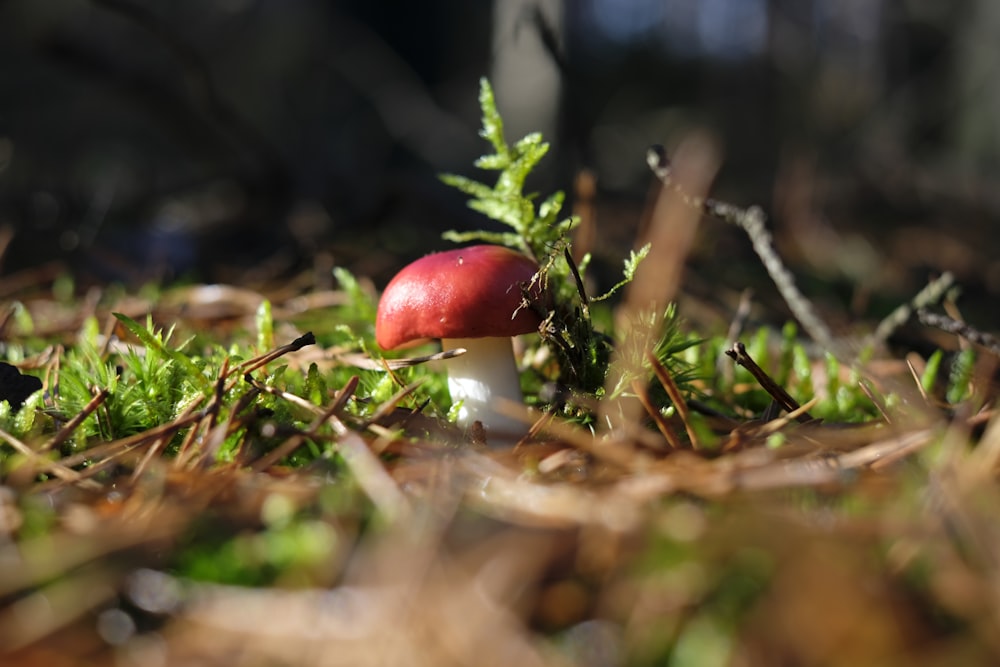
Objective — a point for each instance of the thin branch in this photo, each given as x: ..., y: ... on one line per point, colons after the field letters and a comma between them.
x: 752, y: 221
x: 931, y: 294
x: 736, y: 326
x: 739, y: 354
x: 961, y: 329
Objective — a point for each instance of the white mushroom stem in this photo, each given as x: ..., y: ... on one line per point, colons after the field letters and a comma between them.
x: 482, y: 377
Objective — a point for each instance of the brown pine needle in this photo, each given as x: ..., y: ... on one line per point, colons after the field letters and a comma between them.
x: 620, y: 453
x: 674, y: 393
x: 67, y: 430
x: 113, y: 448
x: 367, y: 363
x: 916, y: 366
x: 390, y: 405
x: 251, y: 365
x: 776, y: 425
x: 323, y: 416
x: 662, y: 424
x: 876, y: 401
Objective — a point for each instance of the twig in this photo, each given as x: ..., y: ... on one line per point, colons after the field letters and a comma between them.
x: 959, y: 328
x: 739, y: 354
x: 752, y: 221
x: 882, y: 453
x: 577, y: 278
x: 736, y: 327
x: 932, y: 293
x: 253, y: 364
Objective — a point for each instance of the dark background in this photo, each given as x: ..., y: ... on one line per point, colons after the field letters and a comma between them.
x: 247, y: 140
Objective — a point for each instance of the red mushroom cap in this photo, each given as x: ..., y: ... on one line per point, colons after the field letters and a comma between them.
x: 471, y: 292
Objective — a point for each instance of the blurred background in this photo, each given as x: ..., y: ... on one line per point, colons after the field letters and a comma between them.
x: 246, y: 141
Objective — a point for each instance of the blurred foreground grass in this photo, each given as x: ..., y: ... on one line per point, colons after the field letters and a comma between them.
x: 304, y: 507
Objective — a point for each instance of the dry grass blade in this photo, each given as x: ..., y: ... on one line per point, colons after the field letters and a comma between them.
x: 188, y: 449
x: 788, y: 474
x: 915, y: 364
x: 876, y: 400
x: 622, y: 454
x: 370, y: 474
x: 775, y: 425
x: 109, y: 449
x: 54, y: 606
x: 505, y: 494
x: 886, y: 452
x: 67, y: 429
x: 671, y: 231
x: 203, y: 441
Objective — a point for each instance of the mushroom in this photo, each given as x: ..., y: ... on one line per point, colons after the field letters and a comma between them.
x: 471, y: 298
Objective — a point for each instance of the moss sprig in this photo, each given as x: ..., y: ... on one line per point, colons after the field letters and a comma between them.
x: 541, y: 231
